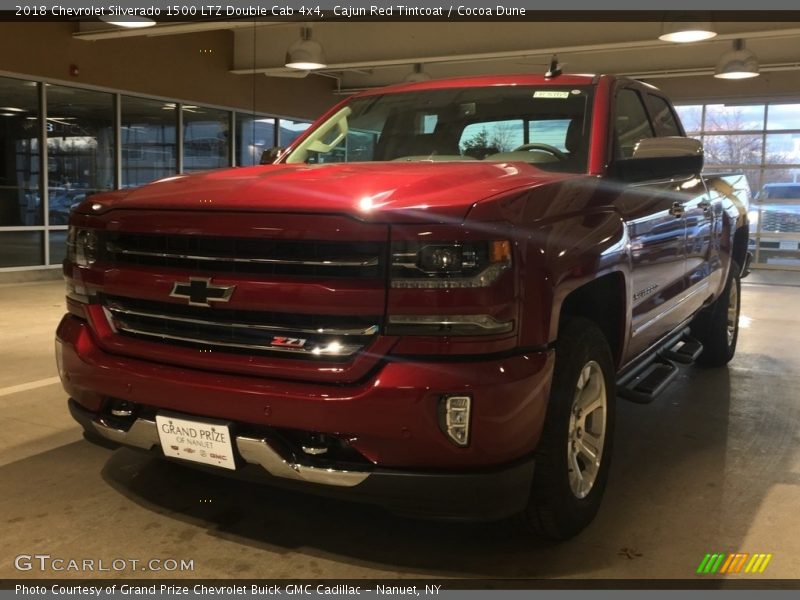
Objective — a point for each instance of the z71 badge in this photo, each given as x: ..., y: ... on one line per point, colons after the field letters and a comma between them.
x: 287, y: 342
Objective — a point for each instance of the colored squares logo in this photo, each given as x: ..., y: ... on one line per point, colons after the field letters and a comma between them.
x: 738, y: 562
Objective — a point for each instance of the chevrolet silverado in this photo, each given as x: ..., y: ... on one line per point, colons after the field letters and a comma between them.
x: 430, y: 301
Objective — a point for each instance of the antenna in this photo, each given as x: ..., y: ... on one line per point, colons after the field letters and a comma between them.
x: 555, y: 68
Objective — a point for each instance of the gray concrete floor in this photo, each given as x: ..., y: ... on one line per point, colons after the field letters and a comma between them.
x: 712, y: 465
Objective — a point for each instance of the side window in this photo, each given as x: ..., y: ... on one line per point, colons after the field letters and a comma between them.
x: 631, y: 122
x: 663, y: 117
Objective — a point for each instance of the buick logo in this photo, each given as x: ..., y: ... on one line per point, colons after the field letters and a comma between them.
x: 201, y: 292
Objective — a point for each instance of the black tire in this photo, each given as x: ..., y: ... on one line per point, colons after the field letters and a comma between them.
x: 710, y: 326
x: 554, y: 510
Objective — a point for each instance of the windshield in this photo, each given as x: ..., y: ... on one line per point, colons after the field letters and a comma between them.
x: 544, y: 125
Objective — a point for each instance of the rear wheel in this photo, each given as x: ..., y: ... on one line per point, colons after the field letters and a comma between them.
x: 717, y: 326
x: 573, y: 456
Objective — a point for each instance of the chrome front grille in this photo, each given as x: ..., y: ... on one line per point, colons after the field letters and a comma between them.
x: 240, y: 331
x: 246, y: 255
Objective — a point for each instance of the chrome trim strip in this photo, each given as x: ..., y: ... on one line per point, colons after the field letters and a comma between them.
x: 371, y: 330
x: 340, y: 349
x: 487, y: 322
x: 144, y: 434
x: 260, y: 452
x: 663, y: 314
x: 483, y: 279
x: 83, y: 299
x: 110, y: 247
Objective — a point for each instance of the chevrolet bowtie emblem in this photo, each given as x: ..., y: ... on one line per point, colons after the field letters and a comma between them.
x: 200, y: 292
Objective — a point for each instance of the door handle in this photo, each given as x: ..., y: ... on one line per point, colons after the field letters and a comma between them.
x: 677, y: 210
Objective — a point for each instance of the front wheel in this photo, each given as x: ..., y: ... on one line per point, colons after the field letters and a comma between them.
x: 717, y: 326
x: 574, y: 452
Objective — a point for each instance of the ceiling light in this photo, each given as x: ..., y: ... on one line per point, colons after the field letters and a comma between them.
x: 738, y: 63
x: 11, y: 109
x: 129, y: 22
x: 305, y: 54
x: 682, y: 32
x: 418, y: 74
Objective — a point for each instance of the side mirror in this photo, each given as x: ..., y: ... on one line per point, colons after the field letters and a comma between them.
x: 271, y: 155
x: 660, y: 158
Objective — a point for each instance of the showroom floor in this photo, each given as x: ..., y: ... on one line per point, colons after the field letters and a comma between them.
x: 712, y: 466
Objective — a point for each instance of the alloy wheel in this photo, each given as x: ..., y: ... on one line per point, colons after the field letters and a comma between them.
x: 587, y: 429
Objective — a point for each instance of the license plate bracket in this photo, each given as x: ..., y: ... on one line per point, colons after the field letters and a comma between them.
x: 196, y: 439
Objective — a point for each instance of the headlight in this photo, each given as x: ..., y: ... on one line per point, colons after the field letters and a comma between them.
x: 82, y: 246
x: 466, y: 264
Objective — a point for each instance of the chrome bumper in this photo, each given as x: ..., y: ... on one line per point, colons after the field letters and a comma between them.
x: 143, y: 434
x: 478, y: 495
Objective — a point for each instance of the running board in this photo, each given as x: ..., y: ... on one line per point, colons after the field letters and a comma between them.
x: 647, y: 380
x: 685, y: 351
x: 644, y: 384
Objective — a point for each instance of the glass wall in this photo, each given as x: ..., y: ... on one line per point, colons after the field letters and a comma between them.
x: 254, y: 135
x: 763, y: 141
x: 21, y: 248
x: 89, y: 149
x: 289, y: 131
x: 147, y: 140
x: 206, y: 138
x: 80, y: 148
x: 20, y: 128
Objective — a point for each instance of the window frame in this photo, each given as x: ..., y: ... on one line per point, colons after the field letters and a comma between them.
x: 654, y: 122
x: 614, y: 151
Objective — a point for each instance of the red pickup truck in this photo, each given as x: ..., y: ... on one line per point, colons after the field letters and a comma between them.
x: 429, y: 302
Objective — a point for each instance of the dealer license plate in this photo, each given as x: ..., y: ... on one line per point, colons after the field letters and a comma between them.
x: 203, y: 442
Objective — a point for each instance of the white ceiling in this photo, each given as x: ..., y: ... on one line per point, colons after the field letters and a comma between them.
x: 367, y: 54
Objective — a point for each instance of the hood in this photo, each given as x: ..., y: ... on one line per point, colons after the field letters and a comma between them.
x: 390, y: 192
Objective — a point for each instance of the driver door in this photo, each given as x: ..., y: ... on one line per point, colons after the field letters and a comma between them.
x: 656, y: 230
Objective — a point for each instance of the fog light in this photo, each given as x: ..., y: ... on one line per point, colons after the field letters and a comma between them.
x: 122, y: 408
x: 454, y: 418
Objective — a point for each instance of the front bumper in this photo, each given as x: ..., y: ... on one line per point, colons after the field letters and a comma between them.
x: 475, y: 496
x: 391, y: 419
